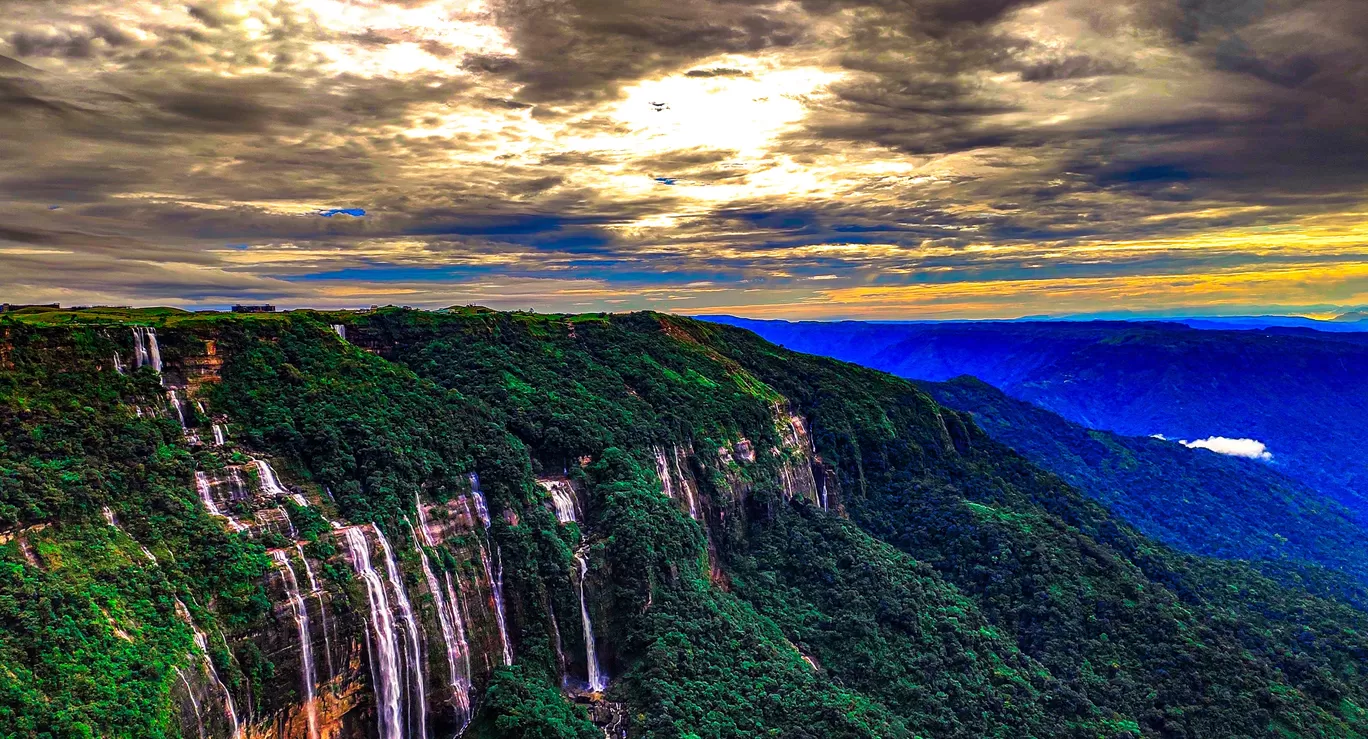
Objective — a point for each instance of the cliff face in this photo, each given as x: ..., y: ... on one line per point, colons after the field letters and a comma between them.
x: 404, y: 524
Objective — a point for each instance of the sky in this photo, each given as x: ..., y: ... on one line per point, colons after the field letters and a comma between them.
x: 818, y: 159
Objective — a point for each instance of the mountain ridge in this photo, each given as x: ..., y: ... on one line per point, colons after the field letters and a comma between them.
x: 709, y: 505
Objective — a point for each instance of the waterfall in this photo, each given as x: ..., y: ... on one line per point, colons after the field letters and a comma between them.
x: 220, y: 435
x: 495, y: 577
x: 317, y: 593
x: 685, y: 483
x: 384, y: 651
x: 145, y: 349
x: 453, y: 631
x: 154, y: 351
x: 206, y: 494
x: 562, y: 498
x: 597, y: 682
x: 202, y: 642
x: 109, y: 517
x: 236, y: 485
x: 480, y: 506
x: 118, y: 364
x: 301, y: 617
x: 415, y: 655
x: 269, y: 484
x: 139, y: 353
x: 289, y: 525
x: 340, y: 330
x: 190, y: 692
x: 173, y: 399
x: 663, y: 472
x: 299, y: 500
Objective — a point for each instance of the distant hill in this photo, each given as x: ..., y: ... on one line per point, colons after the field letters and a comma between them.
x: 1193, y: 499
x: 1302, y: 393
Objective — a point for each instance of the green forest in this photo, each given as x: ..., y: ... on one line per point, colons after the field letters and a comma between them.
x: 950, y: 587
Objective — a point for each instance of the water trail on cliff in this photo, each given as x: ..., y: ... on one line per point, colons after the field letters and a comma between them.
x: 317, y: 593
x: 194, y: 702
x: 206, y: 494
x: 340, y: 330
x: 220, y: 435
x: 495, y: 577
x: 597, y: 682
x: 384, y: 650
x: 301, y: 616
x: 202, y: 642
x: 453, y: 631
x: 415, y: 654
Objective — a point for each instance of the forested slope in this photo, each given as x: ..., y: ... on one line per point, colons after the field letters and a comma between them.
x: 516, y: 525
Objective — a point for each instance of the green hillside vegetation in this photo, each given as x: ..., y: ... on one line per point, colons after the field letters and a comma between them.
x: 964, y: 593
x: 1192, y: 499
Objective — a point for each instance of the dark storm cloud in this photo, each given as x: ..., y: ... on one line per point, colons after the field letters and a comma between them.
x: 583, y: 50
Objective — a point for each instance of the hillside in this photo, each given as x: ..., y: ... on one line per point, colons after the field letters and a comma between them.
x: 402, y: 523
x: 1302, y: 393
x: 1194, y: 500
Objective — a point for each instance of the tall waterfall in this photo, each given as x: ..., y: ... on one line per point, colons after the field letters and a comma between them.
x: 384, y: 641
x: 220, y: 435
x: 118, y: 364
x: 340, y: 330
x: 269, y: 484
x: 301, y: 617
x: 206, y: 494
x: 145, y: 349
x: 317, y: 593
x: 495, y: 577
x: 449, y: 618
x: 597, y: 681
x: 415, y: 654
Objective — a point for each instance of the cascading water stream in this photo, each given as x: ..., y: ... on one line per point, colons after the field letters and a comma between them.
x: 269, y: 484
x: 384, y: 641
x: 562, y: 499
x: 415, y: 654
x: 289, y: 525
x: 220, y: 435
x: 597, y: 681
x: 173, y: 400
x: 340, y: 330
x: 684, y: 482
x: 453, y: 631
x: 495, y: 578
x: 206, y: 494
x: 301, y: 617
x: 317, y: 593
x: 663, y: 472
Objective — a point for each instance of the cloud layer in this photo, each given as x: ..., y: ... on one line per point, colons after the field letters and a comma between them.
x: 810, y: 159
x: 1247, y: 448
